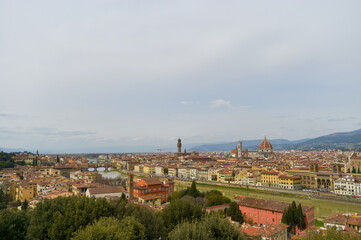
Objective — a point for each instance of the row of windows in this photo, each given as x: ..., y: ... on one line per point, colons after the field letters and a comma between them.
x: 255, y: 216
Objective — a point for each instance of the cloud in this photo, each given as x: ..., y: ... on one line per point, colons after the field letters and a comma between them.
x: 340, y: 119
x: 220, y: 103
x: 187, y: 102
x: 45, y: 132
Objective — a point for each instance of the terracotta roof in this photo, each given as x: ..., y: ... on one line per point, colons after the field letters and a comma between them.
x: 269, y: 230
x: 336, y: 218
x: 266, y: 204
x: 103, y: 189
x: 354, y: 220
x: 152, y: 181
x: 218, y: 207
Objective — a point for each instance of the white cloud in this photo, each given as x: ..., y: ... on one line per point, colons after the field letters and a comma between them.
x: 187, y: 102
x: 220, y: 103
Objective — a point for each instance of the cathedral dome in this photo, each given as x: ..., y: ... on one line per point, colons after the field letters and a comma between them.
x: 265, y: 145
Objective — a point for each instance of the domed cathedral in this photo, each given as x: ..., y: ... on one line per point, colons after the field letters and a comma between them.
x: 265, y: 150
x: 265, y: 146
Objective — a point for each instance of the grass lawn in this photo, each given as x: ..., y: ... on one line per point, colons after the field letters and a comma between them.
x: 319, y: 223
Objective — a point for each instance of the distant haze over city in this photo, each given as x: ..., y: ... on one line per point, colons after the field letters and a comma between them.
x: 131, y: 76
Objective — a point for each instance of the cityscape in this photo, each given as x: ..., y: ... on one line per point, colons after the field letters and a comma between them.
x: 191, y: 120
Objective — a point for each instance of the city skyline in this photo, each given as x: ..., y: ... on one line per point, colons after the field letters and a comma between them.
x: 111, y: 76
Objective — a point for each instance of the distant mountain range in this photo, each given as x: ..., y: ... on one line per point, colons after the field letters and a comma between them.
x: 343, y: 141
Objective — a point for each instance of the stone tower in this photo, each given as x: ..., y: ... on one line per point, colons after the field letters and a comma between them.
x: 130, y: 186
x: 239, y: 150
x: 179, y: 145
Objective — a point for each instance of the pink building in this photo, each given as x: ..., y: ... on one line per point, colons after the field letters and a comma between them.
x: 265, y: 212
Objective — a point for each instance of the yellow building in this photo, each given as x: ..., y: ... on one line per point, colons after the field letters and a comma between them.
x: 270, y: 179
x: 149, y: 169
x: 25, y: 191
x: 8, y: 176
x: 225, y: 176
x: 138, y: 168
x: 290, y: 182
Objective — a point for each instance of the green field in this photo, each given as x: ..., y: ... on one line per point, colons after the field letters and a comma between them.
x: 323, y: 208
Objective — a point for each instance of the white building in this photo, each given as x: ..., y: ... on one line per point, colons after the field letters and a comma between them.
x: 348, y: 185
x: 159, y: 170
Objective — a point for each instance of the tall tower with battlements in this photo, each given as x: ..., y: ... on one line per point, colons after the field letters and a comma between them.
x: 179, y: 145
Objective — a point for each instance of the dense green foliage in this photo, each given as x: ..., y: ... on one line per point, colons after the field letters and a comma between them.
x: 6, y: 160
x: 215, y: 198
x: 152, y: 222
x: 90, y: 218
x: 234, y: 212
x: 293, y: 217
x: 331, y: 234
x: 111, y: 228
x: 60, y: 217
x: 181, y: 210
x: 210, y: 227
x: 208, y: 199
x: 13, y: 224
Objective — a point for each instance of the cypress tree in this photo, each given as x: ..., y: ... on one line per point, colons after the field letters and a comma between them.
x: 301, y: 218
x: 193, y: 190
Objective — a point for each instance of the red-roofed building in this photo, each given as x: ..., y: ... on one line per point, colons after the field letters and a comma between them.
x: 153, y: 187
x: 264, y: 212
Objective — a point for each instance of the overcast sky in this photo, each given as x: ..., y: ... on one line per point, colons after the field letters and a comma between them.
x: 92, y: 76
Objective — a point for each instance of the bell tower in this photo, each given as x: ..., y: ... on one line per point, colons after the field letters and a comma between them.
x: 179, y: 145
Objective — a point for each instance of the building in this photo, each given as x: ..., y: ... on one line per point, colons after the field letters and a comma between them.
x: 269, y: 179
x: 264, y: 212
x: 336, y: 220
x: 354, y: 164
x: 25, y: 191
x: 343, y: 221
x: 290, y: 182
x: 173, y: 171
x: 314, y: 178
x: 348, y: 185
x: 265, y: 150
x: 105, y: 191
x: 276, y: 231
x: 265, y: 147
x: 153, y: 187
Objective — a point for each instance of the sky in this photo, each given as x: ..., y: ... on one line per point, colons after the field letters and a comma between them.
x: 123, y: 76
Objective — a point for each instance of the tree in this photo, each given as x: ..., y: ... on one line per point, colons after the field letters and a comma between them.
x: 25, y: 205
x: 111, y: 228
x: 301, y: 218
x: 181, y: 210
x: 123, y: 198
x: 332, y: 234
x: 193, y: 190
x: 210, y: 227
x: 59, y: 218
x: 215, y: 198
x: 13, y: 224
x: 293, y: 217
x: 234, y: 212
x: 57, y: 159
x: 165, y: 171
x: 152, y: 221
